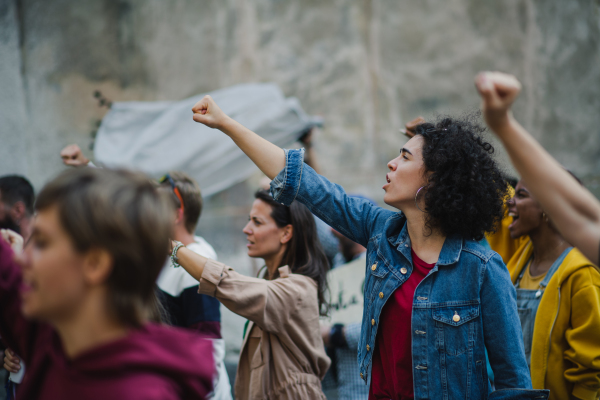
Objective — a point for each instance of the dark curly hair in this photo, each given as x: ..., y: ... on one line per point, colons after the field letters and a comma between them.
x: 466, y: 189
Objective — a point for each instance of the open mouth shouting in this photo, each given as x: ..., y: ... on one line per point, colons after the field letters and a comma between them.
x: 515, y: 218
x: 387, y: 178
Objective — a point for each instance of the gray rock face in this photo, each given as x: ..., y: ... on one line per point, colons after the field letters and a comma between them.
x: 366, y: 66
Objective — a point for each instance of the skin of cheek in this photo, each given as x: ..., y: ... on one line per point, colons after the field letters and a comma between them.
x: 55, y: 271
x: 406, y: 181
x: 266, y: 236
x: 529, y: 212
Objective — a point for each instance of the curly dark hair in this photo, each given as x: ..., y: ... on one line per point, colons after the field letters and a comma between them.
x: 466, y: 189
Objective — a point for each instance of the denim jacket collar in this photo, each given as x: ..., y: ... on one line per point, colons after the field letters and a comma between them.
x: 451, y: 249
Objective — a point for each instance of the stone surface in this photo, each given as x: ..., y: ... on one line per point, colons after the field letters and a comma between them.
x: 366, y: 66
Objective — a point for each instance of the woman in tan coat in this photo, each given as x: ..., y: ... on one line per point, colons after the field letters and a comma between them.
x: 282, y: 354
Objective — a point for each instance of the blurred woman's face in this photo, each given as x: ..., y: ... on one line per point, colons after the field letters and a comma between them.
x: 53, y: 281
x: 525, y: 211
x: 265, y: 238
x: 406, y: 176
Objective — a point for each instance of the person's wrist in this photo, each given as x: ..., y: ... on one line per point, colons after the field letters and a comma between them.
x: 498, y: 121
x: 176, y: 246
x: 226, y: 125
x: 506, y: 125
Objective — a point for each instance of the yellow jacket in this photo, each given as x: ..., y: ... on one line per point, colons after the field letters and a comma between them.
x: 565, y: 353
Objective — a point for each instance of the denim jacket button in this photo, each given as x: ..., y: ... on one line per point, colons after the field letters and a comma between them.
x: 405, y: 245
x: 381, y: 295
x: 361, y: 375
x: 368, y: 347
x: 456, y: 317
x: 374, y: 267
x: 373, y: 322
x: 403, y: 270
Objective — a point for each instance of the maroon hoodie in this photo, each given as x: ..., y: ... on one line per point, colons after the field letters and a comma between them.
x: 154, y: 362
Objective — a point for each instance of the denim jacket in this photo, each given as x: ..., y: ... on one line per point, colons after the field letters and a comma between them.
x: 466, y: 304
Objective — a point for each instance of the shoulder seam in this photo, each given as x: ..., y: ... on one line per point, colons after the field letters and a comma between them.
x: 480, y: 255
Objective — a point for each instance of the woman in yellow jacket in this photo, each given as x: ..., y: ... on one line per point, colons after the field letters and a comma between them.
x: 558, y: 295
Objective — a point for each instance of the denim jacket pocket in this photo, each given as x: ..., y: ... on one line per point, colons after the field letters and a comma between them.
x: 455, y: 327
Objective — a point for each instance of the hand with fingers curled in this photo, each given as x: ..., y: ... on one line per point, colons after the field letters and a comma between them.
x: 498, y: 92
x: 12, y: 362
x: 411, y: 126
x: 73, y: 156
x: 13, y: 239
x: 207, y: 112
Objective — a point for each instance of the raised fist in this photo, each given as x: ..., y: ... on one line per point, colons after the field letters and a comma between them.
x: 72, y: 156
x: 498, y: 91
x: 207, y: 112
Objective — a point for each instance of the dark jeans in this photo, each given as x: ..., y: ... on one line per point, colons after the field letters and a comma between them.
x: 519, y: 394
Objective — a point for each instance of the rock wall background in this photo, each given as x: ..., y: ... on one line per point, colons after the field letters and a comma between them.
x: 366, y: 66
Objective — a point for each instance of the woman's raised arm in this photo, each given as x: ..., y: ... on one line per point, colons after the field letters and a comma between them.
x: 269, y: 158
x: 572, y: 208
x: 351, y: 216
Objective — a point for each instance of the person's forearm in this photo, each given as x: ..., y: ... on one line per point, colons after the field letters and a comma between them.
x: 269, y: 158
x: 192, y: 262
x: 572, y: 208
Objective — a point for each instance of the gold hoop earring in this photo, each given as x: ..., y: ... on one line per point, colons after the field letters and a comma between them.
x: 416, y: 203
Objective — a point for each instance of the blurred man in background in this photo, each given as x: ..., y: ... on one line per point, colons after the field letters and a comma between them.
x: 16, y: 213
x: 179, y: 290
x: 16, y: 204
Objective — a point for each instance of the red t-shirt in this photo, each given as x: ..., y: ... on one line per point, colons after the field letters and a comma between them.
x: 392, y: 375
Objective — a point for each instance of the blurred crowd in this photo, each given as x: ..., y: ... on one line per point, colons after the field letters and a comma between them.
x: 470, y: 284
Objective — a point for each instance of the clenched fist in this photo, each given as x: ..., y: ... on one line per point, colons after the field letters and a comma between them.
x: 207, y: 112
x: 72, y: 156
x: 498, y: 91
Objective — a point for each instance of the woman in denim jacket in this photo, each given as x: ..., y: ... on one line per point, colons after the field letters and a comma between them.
x: 439, y: 297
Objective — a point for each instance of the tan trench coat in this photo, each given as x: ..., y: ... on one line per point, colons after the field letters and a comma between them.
x: 290, y: 360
